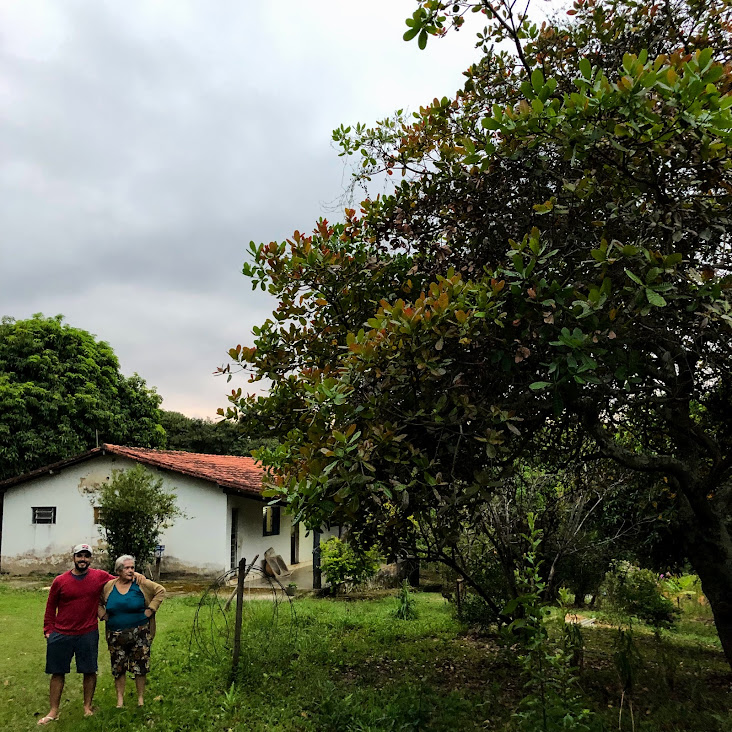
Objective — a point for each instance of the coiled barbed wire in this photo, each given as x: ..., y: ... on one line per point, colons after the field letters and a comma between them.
x: 212, y: 632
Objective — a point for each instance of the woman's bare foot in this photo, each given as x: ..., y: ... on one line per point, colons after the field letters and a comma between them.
x: 43, y: 721
x: 89, y: 711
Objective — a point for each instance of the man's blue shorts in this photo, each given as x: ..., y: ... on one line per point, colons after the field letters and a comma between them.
x: 61, y: 648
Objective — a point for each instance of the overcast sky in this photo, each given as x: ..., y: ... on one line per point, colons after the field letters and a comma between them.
x: 144, y: 143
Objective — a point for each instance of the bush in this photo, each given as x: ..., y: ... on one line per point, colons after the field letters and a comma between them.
x: 636, y: 593
x: 134, y: 509
x: 341, y: 563
x: 476, y: 612
x: 583, y: 572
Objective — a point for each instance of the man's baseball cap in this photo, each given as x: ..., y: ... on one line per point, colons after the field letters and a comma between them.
x: 82, y: 548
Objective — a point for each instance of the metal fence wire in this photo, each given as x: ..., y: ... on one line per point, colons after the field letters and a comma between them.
x: 268, y: 618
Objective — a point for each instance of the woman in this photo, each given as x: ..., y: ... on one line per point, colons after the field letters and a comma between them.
x: 129, y: 610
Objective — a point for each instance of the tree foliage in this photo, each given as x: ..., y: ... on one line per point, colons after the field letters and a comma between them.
x: 551, y: 276
x: 134, y: 509
x: 206, y: 436
x: 61, y: 393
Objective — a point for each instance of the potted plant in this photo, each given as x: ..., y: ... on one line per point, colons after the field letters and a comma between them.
x: 290, y: 589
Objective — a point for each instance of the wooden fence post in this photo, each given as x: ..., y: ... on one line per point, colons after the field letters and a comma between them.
x: 239, y: 610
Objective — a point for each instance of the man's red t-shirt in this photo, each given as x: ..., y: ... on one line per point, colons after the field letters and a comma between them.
x: 72, y: 602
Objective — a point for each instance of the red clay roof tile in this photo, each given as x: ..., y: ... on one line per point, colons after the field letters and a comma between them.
x: 242, y: 474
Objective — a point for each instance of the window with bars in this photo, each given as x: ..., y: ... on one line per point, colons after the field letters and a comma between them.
x: 271, y: 521
x: 44, y: 514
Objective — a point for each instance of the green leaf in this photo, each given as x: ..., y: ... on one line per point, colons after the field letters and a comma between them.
x: 654, y: 298
x: 511, y: 605
x: 422, y: 40
x: 705, y: 58
x: 527, y: 90
x: 599, y: 255
x: 537, y: 385
x: 633, y: 277
x: 537, y: 80
x: 652, y: 274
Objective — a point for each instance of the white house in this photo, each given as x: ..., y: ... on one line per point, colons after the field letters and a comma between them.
x: 47, y: 511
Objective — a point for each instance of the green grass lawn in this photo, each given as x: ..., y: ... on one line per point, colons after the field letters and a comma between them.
x: 352, y: 666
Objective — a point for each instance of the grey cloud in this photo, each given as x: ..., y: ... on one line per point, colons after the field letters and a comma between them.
x: 143, y: 145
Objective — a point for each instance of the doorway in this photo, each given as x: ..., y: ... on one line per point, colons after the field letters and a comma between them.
x: 295, y: 544
x: 234, y: 560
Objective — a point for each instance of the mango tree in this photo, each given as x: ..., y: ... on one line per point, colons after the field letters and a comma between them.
x: 62, y: 392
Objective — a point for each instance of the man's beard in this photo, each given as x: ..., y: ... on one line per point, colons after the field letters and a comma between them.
x: 80, y: 569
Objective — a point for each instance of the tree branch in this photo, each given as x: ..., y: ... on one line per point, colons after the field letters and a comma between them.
x: 626, y: 457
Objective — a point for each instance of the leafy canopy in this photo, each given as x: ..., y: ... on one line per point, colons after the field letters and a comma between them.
x: 206, y: 436
x: 60, y: 388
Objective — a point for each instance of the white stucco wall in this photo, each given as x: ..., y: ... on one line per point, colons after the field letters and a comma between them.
x: 250, y: 539
x: 28, y: 547
x: 197, y: 544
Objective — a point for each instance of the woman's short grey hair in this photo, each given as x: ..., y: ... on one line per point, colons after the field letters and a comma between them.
x: 120, y: 562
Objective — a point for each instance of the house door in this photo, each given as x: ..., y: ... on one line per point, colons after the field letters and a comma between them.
x: 295, y: 544
x: 234, y: 537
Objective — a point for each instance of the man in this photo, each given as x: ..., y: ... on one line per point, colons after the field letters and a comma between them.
x: 72, y: 629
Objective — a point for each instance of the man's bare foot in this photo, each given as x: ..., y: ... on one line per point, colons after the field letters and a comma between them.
x: 43, y: 721
x: 120, y: 705
x: 89, y: 712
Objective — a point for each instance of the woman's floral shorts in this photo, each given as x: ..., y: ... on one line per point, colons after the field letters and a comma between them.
x: 130, y: 651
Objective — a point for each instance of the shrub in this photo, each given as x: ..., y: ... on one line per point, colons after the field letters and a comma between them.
x: 475, y: 611
x: 341, y: 563
x: 583, y: 572
x: 134, y: 509
x: 635, y: 593
x: 489, y: 575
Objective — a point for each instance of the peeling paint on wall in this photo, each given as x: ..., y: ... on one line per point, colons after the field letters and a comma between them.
x: 30, y: 563
x: 37, y: 564
x: 89, y: 483
x: 173, y: 567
